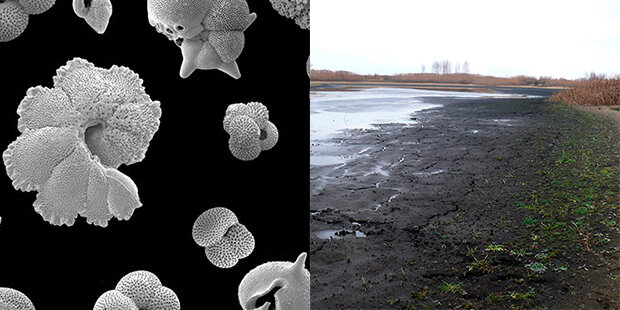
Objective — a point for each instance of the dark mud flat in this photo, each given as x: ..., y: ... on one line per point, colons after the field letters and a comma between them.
x: 431, y: 215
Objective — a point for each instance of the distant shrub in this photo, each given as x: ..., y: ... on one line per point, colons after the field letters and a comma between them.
x: 591, y: 92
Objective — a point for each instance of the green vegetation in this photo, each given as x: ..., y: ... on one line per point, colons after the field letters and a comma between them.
x: 447, y: 287
x: 420, y: 295
x: 495, y: 248
x: 536, y: 267
x: 483, y: 265
x: 579, y: 195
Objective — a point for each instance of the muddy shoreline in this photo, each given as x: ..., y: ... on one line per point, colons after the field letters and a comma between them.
x: 407, y: 210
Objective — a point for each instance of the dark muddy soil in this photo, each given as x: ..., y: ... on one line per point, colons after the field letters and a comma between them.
x: 436, y: 209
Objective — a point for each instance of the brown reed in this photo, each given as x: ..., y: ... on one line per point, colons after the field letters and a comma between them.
x: 591, y: 92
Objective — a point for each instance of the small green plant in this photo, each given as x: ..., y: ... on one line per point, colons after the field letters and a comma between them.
x: 493, y: 297
x: 518, y: 252
x: 616, y: 108
x: 536, y: 267
x: 483, y: 265
x: 610, y: 223
x: 420, y: 295
x: 391, y: 302
x: 521, y: 296
x: 564, y: 159
x: 541, y: 256
x: 580, y: 211
x: 559, y: 225
x: 447, y: 287
x: 470, y: 251
x: 495, y: 248
x: 366, y: 285
x: 560, y: 268
x: 529, y: 221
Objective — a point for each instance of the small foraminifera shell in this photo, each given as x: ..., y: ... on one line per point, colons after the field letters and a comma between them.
x: 279, y: 285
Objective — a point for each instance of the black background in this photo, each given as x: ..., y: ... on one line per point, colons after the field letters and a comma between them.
x: 187, y: 170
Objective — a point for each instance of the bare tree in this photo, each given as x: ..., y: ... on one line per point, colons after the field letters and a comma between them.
x: 445, y: 67
x: 457, y: 67
x: 466, y: 67
x: 423, y: 69
x: 436, y: 67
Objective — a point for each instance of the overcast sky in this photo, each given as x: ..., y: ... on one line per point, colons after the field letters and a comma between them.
x: 503, y: 38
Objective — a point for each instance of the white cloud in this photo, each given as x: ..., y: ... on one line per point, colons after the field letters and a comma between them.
x: 532, y: 37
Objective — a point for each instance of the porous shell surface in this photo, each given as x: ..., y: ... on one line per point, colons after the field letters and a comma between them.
x: 291, y: 280
x: 209, y: 32
x: 12, y: 299
x: 73, y: 138
x: 250, y: 130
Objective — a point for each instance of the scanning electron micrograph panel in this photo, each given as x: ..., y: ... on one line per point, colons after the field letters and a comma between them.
x: 14, y: 16
x: 11, y: 299
x: 139, y: 290
x: 225, y: 240
x: 190, y: 142
x: 250, y: 130
x: 73, y: 138
x: 297, y: 10
x: 96, y: 13
x: 276, y: 285
x: 209, y: 33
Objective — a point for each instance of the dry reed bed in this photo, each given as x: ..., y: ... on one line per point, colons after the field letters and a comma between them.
x: 592, y: 92
x: 451, y: 78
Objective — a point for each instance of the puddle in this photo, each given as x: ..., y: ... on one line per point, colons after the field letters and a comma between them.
x: 429, y: 173
x: 326, y: 160
x: 364, y: 150
x: 378, y: 170
x: 504, y: 121
x: 377, y: 206
x: 392, y: 197
x: 338, y: 233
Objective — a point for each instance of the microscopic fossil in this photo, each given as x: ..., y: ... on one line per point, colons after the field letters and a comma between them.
x: 276, y: 285
x: 298, y: 10
x: 14, y: 15
x: 225, y: 240
x: 250, y: 130
x: 73, y: 138
x: 139, y: 290
x: 11, y: 299
x: 209, y: 32
x: 96, y: 13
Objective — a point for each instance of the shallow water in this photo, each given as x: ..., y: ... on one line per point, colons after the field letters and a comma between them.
x: 338, y: 234
x: 333, y: 112
x: 326, y: 160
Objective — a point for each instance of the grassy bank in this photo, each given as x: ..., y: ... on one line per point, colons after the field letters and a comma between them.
x: 561, y: 242
x: 569, y: 234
